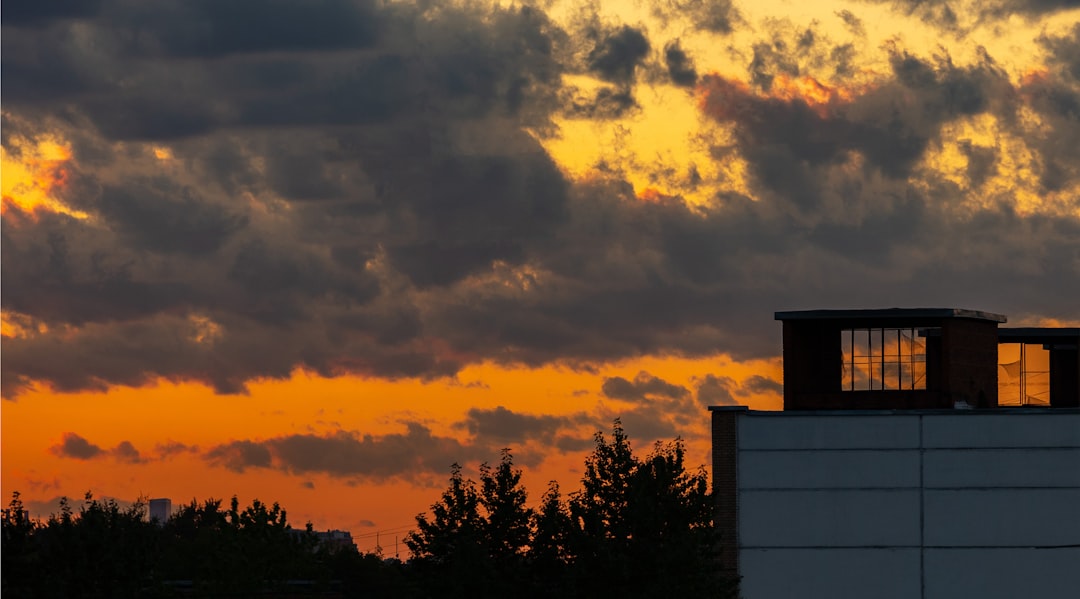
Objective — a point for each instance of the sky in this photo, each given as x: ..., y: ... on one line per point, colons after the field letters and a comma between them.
x: 316, y: 252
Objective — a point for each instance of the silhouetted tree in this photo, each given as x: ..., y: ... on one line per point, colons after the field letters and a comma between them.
x: 475, y: 544
x: 637, y: 528
x: 643, y: 528
x: 102, y: 550
x: 236, y: 551
x: 21, y: 558
x: 448, y: 551
x: 549, y: 554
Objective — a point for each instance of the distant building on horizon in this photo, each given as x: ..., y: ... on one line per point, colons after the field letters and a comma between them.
x: 160, y: 510
x: 333, y: 540
x: 916, y: 457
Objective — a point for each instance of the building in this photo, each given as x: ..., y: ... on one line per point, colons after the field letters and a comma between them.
x: 923, y: 358
x: 902, y: 466
x: 160, y: 510
x: 335, y: 540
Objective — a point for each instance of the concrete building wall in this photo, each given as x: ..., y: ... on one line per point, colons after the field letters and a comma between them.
x: 929, y: 504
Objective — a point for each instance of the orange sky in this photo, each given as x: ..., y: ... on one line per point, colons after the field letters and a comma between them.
x: 157, y: 415
x: 698, y: 149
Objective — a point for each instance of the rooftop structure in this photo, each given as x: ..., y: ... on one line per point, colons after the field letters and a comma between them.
x: 923, y: 358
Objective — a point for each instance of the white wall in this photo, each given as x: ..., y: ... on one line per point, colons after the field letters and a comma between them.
x: 909, y: 504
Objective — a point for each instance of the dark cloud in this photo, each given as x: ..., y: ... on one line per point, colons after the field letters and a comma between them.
x: 74, y: 446
x: 790, y: 51
x: 159, y: 216
x: 642, y: 388
x: 618, y: 54
x: 171, y: 448
x: 571, y: 443
x: 715, y: 390
x: 126, y: 452
x: 349, y: 454
x: 853, y: 23
x: 37, y: 13
x: 1055, y: 95
x: 891, y: 126
x: 240, y: 455
x: 712, y: 16
x: 680, y: 67
x: 373, y: 65
x: 379, y: 201
x: 204, y: 28
x: 959, y: 16
x: 759, y: 384
x: 502, y: 426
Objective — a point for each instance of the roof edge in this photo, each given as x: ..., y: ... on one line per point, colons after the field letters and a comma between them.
x: 890, y: 313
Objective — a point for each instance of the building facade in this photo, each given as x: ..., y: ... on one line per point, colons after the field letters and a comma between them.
x: 893, y: 470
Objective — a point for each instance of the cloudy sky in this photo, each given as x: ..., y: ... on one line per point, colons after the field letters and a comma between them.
x: 316, y: 251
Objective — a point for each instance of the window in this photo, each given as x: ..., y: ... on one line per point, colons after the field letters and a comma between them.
x: 883, y: 359
x: 1023, y: 374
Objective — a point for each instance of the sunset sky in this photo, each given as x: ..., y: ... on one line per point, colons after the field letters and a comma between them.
x: 315, y: 252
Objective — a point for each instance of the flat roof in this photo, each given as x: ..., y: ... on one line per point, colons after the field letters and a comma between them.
x: 1049, y: 337
x: 890, y: 314
x: 1040, y: 332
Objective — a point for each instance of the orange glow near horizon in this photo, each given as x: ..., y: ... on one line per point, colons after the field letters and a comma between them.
x: 172, y: 425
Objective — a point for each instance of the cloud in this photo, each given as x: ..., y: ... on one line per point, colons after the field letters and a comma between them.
x: 715, y: 390
x: 75, y: 446
x: 853, y: 23
x: 37, y: 14
x: 349, y: 454
x: 239, y: 455
x: 172, y: 448
x: 380, y: 200
x: 126, y: 452
x: 759, y: 384
x: 713, y: 16
x: 642, y: 388
x: 618, y: 54
x: 680, y: 66
x: 504, y: 426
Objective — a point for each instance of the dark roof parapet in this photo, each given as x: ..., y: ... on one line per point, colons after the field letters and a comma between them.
x: 891, y: 314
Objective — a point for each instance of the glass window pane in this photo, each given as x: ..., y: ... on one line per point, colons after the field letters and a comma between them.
x: 918, y: 373
x: 905, y: 343
x: 891, y: 375
x: 906, y: 373
x: 1010, y: 368
x: 892, y: 343
x: 861, y: 372
x: 861, y: 343
x: 845, y: 351
x: 1036, y: 375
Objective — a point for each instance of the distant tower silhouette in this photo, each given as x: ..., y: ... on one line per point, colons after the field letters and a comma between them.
x: 160, y: 510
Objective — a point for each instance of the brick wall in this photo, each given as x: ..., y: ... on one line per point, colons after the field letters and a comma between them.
x: 725, y: 452
x: 969, y: 361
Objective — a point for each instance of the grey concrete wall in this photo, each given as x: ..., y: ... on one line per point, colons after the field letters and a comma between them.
x: 921, y: 505
x: 805, y: 573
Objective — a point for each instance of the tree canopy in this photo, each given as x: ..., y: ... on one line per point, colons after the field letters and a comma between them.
x: 637, y: 527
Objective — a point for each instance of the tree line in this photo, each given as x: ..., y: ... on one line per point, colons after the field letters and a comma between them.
x: 637, y: 527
